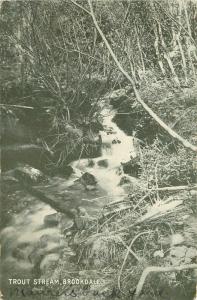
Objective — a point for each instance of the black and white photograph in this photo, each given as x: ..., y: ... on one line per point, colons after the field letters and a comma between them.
x: 98, y: 131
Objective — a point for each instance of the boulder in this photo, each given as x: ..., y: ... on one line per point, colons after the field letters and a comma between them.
x: 125, y: 180
x: 28, y: 174
x: 51, y: 220
x: 46, y: 238
x: 131, y: 184
x: 132, y: 168
x: 103, y: 163
x: 68, y: 226
x: 118, y: 96
x: 82, y: 218
x: 88, y: 179
x: 18, y: 254
x: 65, y: 171
x: 116, y: 141
x: 90, y: 187
x: 91, y: 163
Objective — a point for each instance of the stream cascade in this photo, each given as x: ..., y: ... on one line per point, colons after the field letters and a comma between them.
x: 32, y: 239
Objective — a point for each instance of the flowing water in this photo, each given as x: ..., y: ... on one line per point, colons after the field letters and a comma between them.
x: 28, y: 239
x: 30, y: 243
x: 117, y: 148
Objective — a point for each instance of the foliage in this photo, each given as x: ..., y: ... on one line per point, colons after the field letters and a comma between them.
x: 162, y: 168
x: 55, y: 61
x: 55, y: 72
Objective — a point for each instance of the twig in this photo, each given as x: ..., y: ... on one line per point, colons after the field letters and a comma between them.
x: 159, y: 270
x: 129, y: 249
x: 171, y: 132
x: 80, y: 6
x: 176, y: 188
x: 140, y: 200
x: 115, y: 202
x: 94, y: 199
x: 79, y: 159
x: 181, y: 116
x: 17, y: 106
x: 126, y: 256
x: 156, y: 181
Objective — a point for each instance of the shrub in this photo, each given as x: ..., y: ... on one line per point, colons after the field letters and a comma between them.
x: 166, y: 169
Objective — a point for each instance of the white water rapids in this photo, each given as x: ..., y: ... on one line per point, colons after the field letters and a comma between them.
x: 27, y: 228
x: 117, y: 148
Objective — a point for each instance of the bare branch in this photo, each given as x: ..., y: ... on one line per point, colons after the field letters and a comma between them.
x: 128, y: 251
x: 17, y: 106
x: 160, y: 270
x: 177, y: 188
x: 80, y: 6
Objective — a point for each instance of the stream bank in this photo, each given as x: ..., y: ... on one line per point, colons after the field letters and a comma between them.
x: 90, y: 216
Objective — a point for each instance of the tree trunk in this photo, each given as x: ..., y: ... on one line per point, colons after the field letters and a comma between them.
x: 156, y: 45
x: 140, y: 50
x: 167, y: 57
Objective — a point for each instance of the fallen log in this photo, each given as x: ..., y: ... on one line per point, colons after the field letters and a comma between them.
x: 59, y: 206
